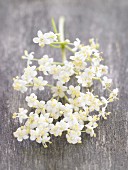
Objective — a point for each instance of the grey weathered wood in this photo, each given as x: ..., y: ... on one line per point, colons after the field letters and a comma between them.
x: 106, y: 20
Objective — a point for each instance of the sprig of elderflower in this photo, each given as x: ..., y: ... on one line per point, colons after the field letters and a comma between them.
x: 71, y: 109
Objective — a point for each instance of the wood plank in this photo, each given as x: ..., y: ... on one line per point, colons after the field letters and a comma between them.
x: 105, y: 20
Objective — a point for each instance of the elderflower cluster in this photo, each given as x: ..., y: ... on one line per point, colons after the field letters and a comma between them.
x: 71, y: 109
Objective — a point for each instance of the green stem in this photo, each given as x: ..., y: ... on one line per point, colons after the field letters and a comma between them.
x: 49, y: 85
x: 60, y: 43
x: 63, y: 53
x: 61, y: 28
x: 58, y: 63
x: 54, y: 26
x: 55, y: 29
x: 63, y: 43
x: 61, y: 31
x: 66, y: 98
x: 55, y: 46
x: 68, y: 48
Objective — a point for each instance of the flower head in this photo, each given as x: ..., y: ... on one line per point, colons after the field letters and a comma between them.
x: 46, y: 38
x: 76, y: 104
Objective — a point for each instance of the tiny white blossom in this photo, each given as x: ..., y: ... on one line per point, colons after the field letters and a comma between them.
x: 28, y: 56
x: 58, y: 128
x: 59, y: 90
x: 21, y: 114
x: 54, y: 108
x: 32, y: 122
x: 40, y: 107
x: 29, y: 73
x: 101, y: 70
x: 78, y: 61
x: 45, y: 64
x: 46, y: 38
x: 113, y: 95
x: 34, y: 134
x: 68, y: 67
x: 64, y: 77
x: 74, y: 91
x: 50, y: 37
x: 75, y: 103
x: 86, y: 77
x: 73, y: 136
x: 76, y: 44
x: 32, y: 100
x: 55, y: 71
x: 21, y: 134
x: 39, y: 83
x: 19, y: 85
x: 106, y: 82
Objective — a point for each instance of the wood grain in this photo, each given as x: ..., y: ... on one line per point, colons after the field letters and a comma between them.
x: 106, y: 20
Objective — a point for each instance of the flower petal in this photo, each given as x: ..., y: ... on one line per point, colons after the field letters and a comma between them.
x: 36, y: 40
x: 39, y: 33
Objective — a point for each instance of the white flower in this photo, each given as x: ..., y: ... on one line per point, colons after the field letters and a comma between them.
x: 40, y: 134
x: 34, y: 134
x: 113, y: 95
x: 46, y: 38
x: 50, y: 37
x: 22, y: 114
x: 73, y: 122
x: 32, y: 121
x: 74, y: 91
x: 20, y: 134
x: 45, y: 64
x: 68, y: 67
x: 78, y: 61
x: 45, y: 60
x: 63, y: 77
x: 86, y: 51
x: 28, y: 56
x: 75, y: 103
x: 45, y: 138
x: 115, y: 92
x: 101, y: 70
x: 31, y: 100
x: 93, y: 44
x: 39, y: 39
x: 29, y: 73
x: 39, y: 83
x: 90, y: 130
x: 91, y: 125
x: 19, y: 85
x: 106, y: 82
x: 73, y: 136
x: 96, y: 62
x: 59, y: 90
x: 40, y: 107
x: 58, y: 128
x: 67, y: 109
x: 103, y: 113
x: 82, y: 115
x: 105, y: 101
x: 45, y: 120
x: 55, y: 70
x: 86, y: 77
x: 76, y: 44
x: 54, y: 108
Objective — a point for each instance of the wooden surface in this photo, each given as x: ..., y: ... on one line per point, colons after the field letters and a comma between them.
x: 106, y: 20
